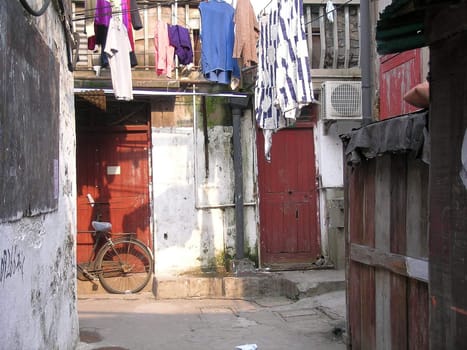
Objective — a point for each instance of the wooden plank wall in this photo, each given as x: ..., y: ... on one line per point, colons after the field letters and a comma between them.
x: 387, y: 267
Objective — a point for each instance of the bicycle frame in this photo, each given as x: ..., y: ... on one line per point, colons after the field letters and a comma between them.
x: 100, y: 238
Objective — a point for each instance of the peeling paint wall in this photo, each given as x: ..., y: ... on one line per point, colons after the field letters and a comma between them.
x: 37, y: 252
x: 331, y: 184
x: 193, y: 190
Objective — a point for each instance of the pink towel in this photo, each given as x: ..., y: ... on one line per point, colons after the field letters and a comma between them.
x: 164, y: 53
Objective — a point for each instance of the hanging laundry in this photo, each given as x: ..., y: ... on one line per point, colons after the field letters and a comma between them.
x: 283, y: 84
x: 127, y: 11
x: 135, y: 16
x: 179, y: 38
x: 246, y: 33
x: 293, y: 79
x: 330, y: 9
x: 164, y: 52
x: 118, y: 49
x: 217, y: 38
x: 103, y: 12
x: 102, y: 17
x: 89, y: 9
x: 126, y: 16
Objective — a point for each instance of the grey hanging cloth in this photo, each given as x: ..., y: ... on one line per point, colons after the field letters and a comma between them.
x: 135, y: 17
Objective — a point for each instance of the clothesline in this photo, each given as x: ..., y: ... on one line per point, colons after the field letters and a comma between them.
x: 124, y: 12
x: 170, y: 93
x: 326, y: 13
x: 84, y: 17
x: 264, y: 8
x: 89, y: 13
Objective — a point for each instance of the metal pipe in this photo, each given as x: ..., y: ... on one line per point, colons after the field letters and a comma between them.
x: 365, y: 54
x: 168, y: 93
x: 238, y: 193
x: 224, y: 206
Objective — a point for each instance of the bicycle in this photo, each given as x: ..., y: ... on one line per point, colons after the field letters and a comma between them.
x: 123, y: 265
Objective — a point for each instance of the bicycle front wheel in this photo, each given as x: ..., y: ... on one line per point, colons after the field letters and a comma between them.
x: 125, y: 266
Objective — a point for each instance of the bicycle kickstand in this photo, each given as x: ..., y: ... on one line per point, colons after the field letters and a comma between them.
x: 93, y: 279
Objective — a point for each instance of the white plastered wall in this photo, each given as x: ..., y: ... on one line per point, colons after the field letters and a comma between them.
x: 193, y: 210
x: 330, y: 168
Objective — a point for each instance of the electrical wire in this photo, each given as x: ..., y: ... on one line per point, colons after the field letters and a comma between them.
x: 34, y: 12
x: 84, y: 15
x: 326, y: 13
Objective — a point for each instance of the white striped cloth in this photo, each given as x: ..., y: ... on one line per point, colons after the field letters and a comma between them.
x: 283, y: 84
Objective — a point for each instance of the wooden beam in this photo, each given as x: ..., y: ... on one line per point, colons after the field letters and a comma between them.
x: 309, y: 38
x: 399, y: 264
x: 322, y: 34
x: 347, y: 37
x: 146, y: 36
x: 335, y: 37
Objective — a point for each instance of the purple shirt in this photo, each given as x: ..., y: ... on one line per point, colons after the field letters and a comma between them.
x: 179, y: 38
x: 103, y: 13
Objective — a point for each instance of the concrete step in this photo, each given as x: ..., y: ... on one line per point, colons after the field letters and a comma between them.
x: 291, y: 284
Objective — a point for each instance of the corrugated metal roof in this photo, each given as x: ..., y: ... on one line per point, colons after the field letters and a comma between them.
x: 400, y: 28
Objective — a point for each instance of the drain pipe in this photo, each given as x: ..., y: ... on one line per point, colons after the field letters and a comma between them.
x: 365, y: 62
x: 237, y: 105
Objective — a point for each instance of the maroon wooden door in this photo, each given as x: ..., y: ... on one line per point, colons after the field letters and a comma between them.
x: 289, y: 232
x: 112, y: 166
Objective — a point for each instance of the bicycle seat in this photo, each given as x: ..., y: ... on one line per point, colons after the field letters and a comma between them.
x: 102, y: 226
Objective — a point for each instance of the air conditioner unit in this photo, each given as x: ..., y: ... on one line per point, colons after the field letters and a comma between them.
x: 341, y: 100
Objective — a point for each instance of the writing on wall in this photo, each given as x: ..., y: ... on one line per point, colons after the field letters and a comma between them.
x: 11, y: 263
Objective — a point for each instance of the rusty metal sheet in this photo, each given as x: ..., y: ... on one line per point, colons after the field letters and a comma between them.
x: 398, y: 74
x: 95, y: 97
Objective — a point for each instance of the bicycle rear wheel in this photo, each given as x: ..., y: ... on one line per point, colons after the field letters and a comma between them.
x: 125, y: 266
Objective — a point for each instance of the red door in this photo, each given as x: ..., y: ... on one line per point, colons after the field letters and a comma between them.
x: 112, y: 167
x: 288, y: 199
x: 399, y: 73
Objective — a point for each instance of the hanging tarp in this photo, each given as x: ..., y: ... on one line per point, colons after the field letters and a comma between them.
x: 404, y: 134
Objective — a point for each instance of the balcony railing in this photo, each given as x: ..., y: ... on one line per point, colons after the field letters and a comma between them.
x: 332, y: 45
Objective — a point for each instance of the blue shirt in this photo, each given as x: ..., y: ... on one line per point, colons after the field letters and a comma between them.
x: 217, y: 38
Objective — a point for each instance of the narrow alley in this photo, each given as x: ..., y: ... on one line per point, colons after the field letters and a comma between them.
x: 274, y: 323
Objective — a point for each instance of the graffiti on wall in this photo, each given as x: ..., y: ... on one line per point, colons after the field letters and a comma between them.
x: 11, y: 263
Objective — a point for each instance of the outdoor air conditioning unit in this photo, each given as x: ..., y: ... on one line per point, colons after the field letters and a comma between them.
x: 341, y: 100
